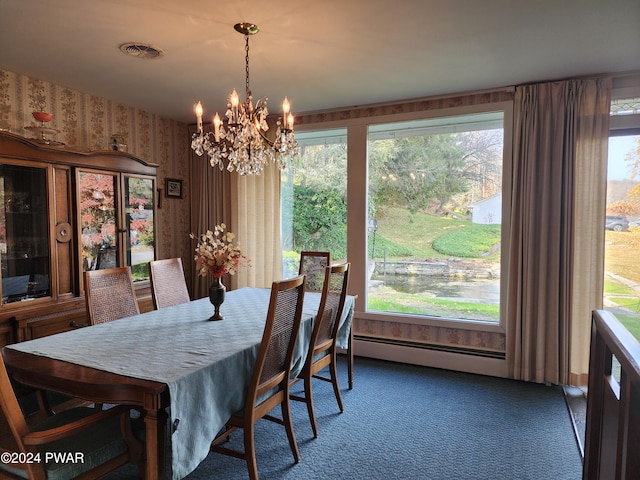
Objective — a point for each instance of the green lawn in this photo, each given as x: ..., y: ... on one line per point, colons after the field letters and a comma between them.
x: 621, y: 259
x: 399, y: 238
x: 417, y: 239
x: 618, y: 258
x: 388, y: 300
x: 631, y: 323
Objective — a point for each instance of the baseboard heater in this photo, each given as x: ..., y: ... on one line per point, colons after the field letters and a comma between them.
x: 431, y: 346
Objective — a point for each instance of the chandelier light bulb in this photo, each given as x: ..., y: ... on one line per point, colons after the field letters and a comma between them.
x: 286, y: 107
x: 216, y: 127
x: 199, y: 116
x: 235, y: 100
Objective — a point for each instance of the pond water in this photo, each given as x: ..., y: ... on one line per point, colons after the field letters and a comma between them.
x: 483, y: 290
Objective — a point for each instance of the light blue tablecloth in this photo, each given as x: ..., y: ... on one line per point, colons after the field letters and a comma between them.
x: 207, y: 365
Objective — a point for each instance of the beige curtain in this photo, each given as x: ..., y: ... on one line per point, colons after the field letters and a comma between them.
x: 592, y: 145
x: 210, y: 205
x: 256, y: 219
x: 554, y: 125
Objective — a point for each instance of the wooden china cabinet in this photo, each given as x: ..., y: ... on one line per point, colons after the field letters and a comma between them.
x: 63, y: 212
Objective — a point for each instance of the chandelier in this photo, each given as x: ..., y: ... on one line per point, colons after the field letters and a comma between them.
x: 243, y: 144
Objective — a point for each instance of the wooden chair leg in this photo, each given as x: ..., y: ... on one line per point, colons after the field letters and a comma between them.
x: 308, y: 399
x: 288, y: 425
x: 334, y: 381
x: 250, y: 452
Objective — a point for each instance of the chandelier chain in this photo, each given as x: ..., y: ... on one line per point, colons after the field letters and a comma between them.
x: 246, y: 60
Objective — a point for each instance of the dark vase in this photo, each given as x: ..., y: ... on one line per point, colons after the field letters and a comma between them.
x: 216, y: 296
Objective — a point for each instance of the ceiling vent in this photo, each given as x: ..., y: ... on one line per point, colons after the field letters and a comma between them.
x: 140, y: 50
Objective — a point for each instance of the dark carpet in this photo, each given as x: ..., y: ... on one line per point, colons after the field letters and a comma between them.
x: 410, y: 422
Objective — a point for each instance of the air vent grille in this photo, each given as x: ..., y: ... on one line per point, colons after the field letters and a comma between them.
x: 140, y: 50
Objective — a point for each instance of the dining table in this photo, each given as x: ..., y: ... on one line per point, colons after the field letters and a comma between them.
x: 185, y: 373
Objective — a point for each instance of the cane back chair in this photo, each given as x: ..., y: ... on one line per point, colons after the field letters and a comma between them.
x: 109, y: 295
x: 269, y: 385
x: 168, y: 285
x: 322, y: 347
x: 313, y: 265
x: 99, y: 441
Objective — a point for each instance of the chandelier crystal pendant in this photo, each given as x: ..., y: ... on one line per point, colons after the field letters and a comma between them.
x: 243, y: 144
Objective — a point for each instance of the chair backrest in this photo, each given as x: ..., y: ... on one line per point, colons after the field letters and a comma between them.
x: 334, y: 293
x: 110, y: 295
x: 273, y: 362
x: 313, y: 265
x: 168, y: 285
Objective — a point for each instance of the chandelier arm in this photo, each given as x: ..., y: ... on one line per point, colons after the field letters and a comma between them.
x: 265, y: 139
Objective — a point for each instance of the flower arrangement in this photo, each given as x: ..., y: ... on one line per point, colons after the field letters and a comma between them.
x: 217, y: 253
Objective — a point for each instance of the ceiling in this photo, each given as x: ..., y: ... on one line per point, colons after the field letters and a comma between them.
x: 321, y: 54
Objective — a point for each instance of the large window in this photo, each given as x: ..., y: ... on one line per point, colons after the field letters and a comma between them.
x: 622, y: 241
x: 434, y: 217
x: 314, y: 205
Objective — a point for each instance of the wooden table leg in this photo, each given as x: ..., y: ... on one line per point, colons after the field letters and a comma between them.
x: 350, y: 358
x: 156, y: 426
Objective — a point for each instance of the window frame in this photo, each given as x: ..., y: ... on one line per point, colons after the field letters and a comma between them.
x: 447, y: 124
x: 357, y: 208
x: 622, y: 125
x: 316, y: 137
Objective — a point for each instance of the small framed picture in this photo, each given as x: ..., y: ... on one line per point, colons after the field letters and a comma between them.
x: 173, y: 188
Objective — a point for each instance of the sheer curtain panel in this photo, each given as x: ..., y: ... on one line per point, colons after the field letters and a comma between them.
x: 256, y: 220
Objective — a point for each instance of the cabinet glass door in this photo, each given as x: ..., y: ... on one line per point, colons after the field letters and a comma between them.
x: 24, y: 238
x: 99, y: 235
x: 116, y: 221
x: 140, y: 234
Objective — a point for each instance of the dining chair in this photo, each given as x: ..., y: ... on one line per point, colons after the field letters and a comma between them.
x: 269, y: 384
x: 313, y: 265
x: 80, y: 443
x: 109, y: 295
x: 322, y: 346
x: 168, y: 285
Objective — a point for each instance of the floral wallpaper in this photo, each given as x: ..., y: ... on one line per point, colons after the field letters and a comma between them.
x: 406, y: 107
x: 86, y: 123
